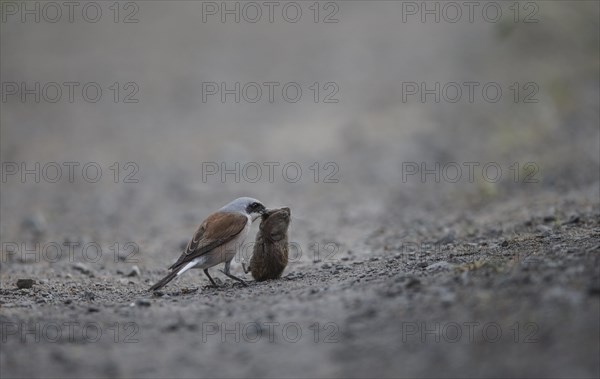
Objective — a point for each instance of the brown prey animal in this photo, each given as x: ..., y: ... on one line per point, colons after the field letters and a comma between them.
x: 270, y: 254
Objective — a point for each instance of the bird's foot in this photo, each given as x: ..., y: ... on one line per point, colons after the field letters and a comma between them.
x: 234, y: 278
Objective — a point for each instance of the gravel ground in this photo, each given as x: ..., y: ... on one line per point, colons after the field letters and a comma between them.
x: 523, y: 286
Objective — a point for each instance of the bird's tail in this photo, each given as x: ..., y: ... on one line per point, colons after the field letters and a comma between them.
x: 163, y: 282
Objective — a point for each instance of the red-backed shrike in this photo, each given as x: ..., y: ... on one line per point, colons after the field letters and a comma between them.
x: 217, y: 240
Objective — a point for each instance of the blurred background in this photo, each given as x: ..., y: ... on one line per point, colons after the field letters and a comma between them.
x: 167, y: 122
x: 361, y: 55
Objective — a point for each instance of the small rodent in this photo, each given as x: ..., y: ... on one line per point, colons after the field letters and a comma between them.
x: 270, y: 255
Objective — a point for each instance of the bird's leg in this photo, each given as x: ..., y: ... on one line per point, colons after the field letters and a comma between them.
x: 244, y: 268
x: 209, y: 278
x: 226, y: 272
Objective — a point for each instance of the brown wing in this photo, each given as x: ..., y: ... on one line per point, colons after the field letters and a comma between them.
x: 217, y: 229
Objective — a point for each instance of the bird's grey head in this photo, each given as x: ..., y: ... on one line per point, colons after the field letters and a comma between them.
x: 245, y: 205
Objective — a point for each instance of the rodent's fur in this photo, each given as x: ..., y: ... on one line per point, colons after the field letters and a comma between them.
x: 270, y: 255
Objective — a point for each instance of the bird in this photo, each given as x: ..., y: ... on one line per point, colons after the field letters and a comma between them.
x: 216, y: 240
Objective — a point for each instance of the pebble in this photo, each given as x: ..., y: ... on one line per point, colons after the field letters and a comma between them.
x: 447, y: 298
x: 545, y: 230
x: 36, y: 224
x: 413, y: 283
x: 594, y: 289
x: 82, y: 268
x: 24, y: 283
x: 135, y: 271
x: 572, y: 220
x: 190, y: 290
x: 89, y: 296
x: 143, y: 303
x: 439, y: 265
x: 448, y: 238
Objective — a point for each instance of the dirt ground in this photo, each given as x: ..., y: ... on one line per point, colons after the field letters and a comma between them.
x: 396, y: 268
x: 514, y: 295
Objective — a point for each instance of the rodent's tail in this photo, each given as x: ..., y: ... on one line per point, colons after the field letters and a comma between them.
x: 163, y: 282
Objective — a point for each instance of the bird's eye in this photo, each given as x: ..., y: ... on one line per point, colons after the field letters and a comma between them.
x: 254, y: 205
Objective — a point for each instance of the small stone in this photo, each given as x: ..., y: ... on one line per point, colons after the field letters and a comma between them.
x: 135, y: 271
x: 413, y: 283
x: 504, y: 243
x: 35, y: 223
x: 82, y: 268
x: 89, y: 296
x: 422, y: 264
x: 24, y: 283
x: 374, y: 259
x: 448, y: 238
x: 93, y: 309
x: 143, y: 303
x: 439, y: 265
x: 326, y: 266
x: 572, y: 220
x: 594, y: 288
x: 447, y: 298
x: 545, y: 230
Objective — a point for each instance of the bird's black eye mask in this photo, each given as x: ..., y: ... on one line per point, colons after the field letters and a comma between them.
x: 255, y: 208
